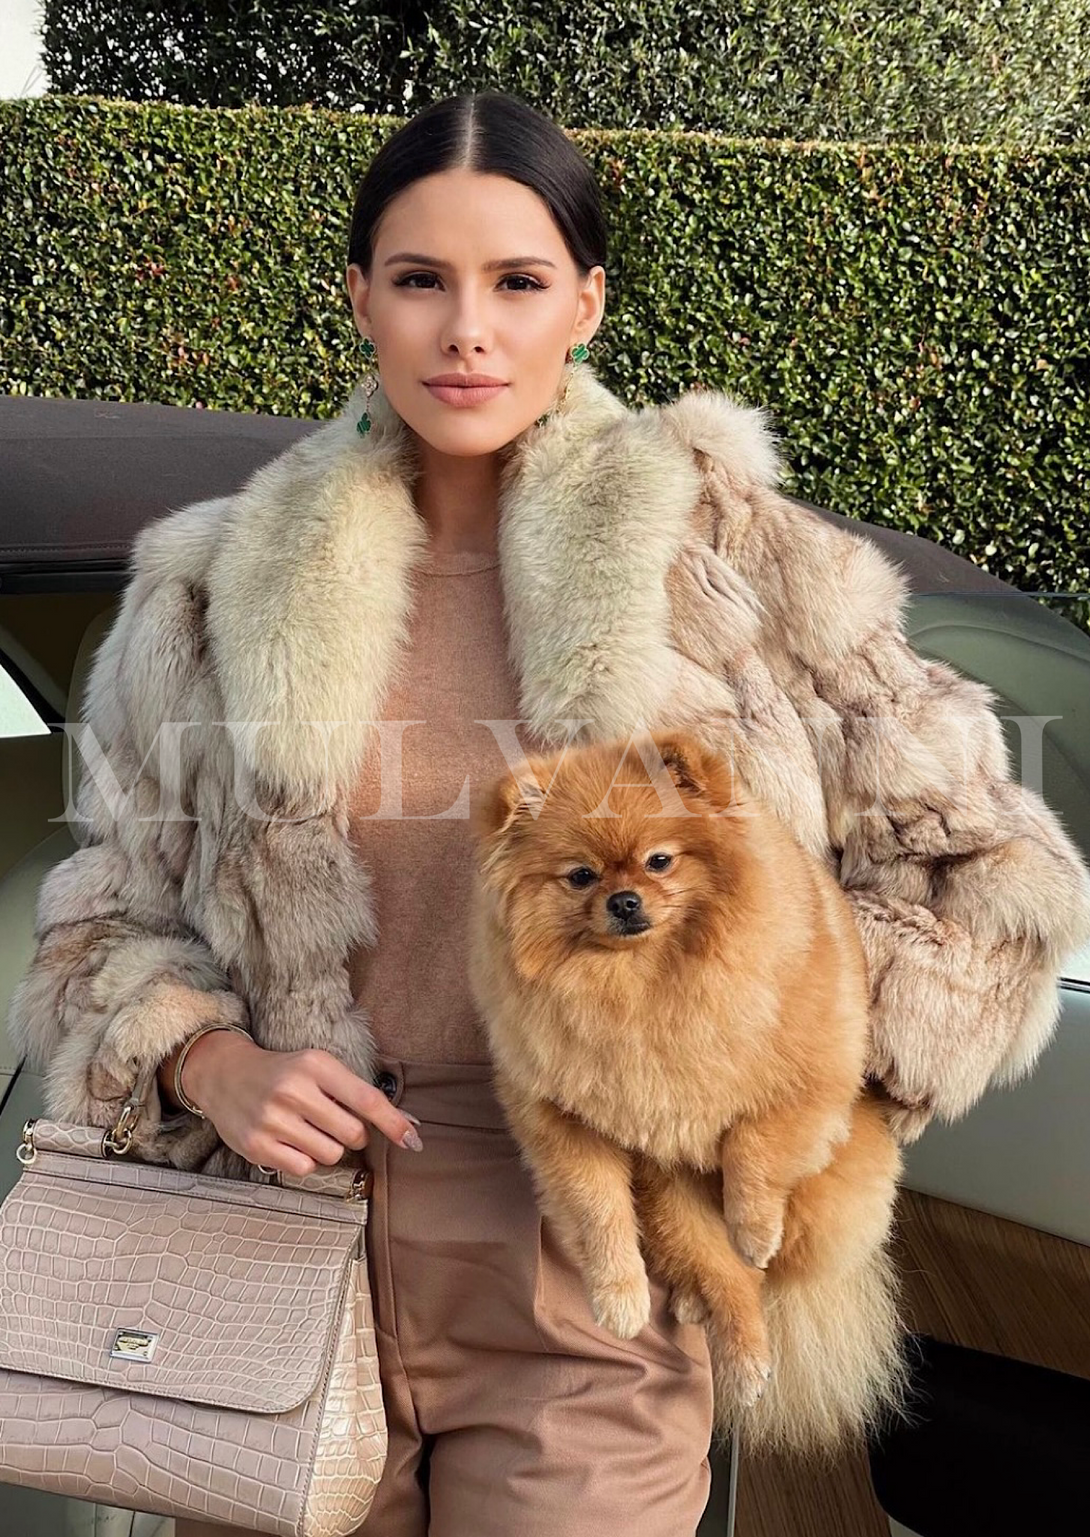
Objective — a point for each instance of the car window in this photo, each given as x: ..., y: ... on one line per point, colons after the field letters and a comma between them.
x: 18, y: 716
x: 1078, y: 969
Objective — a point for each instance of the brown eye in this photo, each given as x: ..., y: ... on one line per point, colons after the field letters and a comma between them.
x: 660, y: 861
x: 581, y: 877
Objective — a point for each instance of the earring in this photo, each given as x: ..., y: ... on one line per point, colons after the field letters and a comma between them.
x: 370, y: 383
x: 578, y: 353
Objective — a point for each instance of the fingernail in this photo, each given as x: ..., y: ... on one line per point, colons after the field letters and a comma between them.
x: 410, y: 1139
x: 414, y: 1119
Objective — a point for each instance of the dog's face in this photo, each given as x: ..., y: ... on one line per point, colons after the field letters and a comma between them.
x: 608, y: 847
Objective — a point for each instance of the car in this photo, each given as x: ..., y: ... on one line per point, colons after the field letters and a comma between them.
x: 993, y: 1223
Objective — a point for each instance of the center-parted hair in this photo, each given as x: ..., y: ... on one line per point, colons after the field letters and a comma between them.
x: 493, y: 133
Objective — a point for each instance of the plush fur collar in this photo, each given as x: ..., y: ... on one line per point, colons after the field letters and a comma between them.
x: 309, y: 577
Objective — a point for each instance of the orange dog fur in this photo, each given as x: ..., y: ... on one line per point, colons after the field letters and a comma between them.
x: 676, y: 1000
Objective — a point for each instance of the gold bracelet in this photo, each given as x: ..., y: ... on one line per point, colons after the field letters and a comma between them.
x: 179, y: 1093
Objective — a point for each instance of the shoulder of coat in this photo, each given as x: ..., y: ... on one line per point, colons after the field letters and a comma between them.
x: 180, y: 545
x: 736, y: 437
x: 831, y: 586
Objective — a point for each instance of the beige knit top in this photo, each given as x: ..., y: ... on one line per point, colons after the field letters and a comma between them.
x: 454, y: 673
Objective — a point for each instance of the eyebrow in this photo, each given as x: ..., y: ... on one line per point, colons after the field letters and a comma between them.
x: 493, y: 266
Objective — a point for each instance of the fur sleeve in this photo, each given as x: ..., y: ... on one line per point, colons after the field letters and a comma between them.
x: 118, y: 978
x: 968, y: 893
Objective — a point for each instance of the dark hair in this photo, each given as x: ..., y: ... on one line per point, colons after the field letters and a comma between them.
x: 491, y: 132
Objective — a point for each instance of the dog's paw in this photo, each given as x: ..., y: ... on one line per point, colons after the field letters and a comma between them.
x: 623, y: 1306
x: 740, y: 1351
x: 688, y: 1306
x: 757, y: 1239
x: 744, y: 1379
x: 741, y: 1361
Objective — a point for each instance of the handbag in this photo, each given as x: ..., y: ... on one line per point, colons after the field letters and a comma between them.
x: 185, y: 1344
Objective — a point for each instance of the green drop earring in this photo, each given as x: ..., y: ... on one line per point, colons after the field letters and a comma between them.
x: 579, y: 353
x: 370, y: 383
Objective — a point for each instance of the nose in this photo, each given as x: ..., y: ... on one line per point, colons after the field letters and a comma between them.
x: 622, y: 904
x: 465, y: 333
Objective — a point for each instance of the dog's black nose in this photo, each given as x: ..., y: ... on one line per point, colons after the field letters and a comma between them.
x: 622, y: 904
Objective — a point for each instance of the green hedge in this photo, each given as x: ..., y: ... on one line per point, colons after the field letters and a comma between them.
x: 914, y: 317
x: 942, y: 70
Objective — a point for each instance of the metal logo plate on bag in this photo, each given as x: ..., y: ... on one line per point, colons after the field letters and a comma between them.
x: 133, y: 1345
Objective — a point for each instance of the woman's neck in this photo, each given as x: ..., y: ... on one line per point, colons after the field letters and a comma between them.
x: 458, y: 498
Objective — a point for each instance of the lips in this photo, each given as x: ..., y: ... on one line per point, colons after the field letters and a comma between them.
x: 465, y: 394
x: 462, y: 381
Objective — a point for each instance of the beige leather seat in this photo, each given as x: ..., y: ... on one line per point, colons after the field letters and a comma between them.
x: 19, y: 888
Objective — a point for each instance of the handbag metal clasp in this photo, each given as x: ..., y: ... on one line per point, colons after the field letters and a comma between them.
x: 362, y: 1183
x: 134, y: 1345
x: 26, y: 1152
x: 118, y: 1139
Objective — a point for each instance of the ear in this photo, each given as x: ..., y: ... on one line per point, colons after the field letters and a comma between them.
x: 700, y: 771
x: 684, y: 760
x: 514, y: 797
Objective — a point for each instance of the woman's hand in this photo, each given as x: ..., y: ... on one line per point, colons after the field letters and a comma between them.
x: 288, y: 1110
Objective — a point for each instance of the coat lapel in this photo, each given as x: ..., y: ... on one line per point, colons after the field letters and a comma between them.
x: 596, y: 510
x: 310, y: 591
x: 308, y: 598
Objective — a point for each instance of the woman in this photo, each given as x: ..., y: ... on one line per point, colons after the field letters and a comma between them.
x: 447, y: 567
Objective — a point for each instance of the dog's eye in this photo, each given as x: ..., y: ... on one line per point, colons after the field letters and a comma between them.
x: 582, y: 876
x: 660, y: 861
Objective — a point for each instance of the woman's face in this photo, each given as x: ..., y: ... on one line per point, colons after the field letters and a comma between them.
x: 443, y: 309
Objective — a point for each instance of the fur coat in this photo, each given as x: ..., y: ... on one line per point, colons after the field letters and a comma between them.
x: 652, y: 576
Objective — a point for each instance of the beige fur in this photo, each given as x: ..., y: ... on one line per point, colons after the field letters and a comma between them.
x: 652, y: 577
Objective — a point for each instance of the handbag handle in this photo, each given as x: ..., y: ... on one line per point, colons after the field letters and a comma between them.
x: 352, y: 1183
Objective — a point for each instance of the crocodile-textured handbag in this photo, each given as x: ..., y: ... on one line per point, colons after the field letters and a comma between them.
x: 188, y: 1345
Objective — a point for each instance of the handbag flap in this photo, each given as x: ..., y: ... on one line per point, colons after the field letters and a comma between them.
x: 181, y: 1294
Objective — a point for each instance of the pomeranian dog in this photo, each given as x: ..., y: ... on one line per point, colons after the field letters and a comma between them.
x: 676, y: 1001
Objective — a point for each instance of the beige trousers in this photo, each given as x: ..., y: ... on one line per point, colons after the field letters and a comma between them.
x: 510, y: 1412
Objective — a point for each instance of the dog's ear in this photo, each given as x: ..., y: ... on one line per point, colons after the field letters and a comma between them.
x: 683, y: 758
x: 514, y: 796
x: 698, y: 770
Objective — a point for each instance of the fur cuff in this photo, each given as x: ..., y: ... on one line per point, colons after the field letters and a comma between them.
x: 88, y: 1079
x: 949, y: 1015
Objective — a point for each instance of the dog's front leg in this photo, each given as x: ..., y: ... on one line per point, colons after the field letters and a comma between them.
x: 584, y: 1188
x: 763, y: 1159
